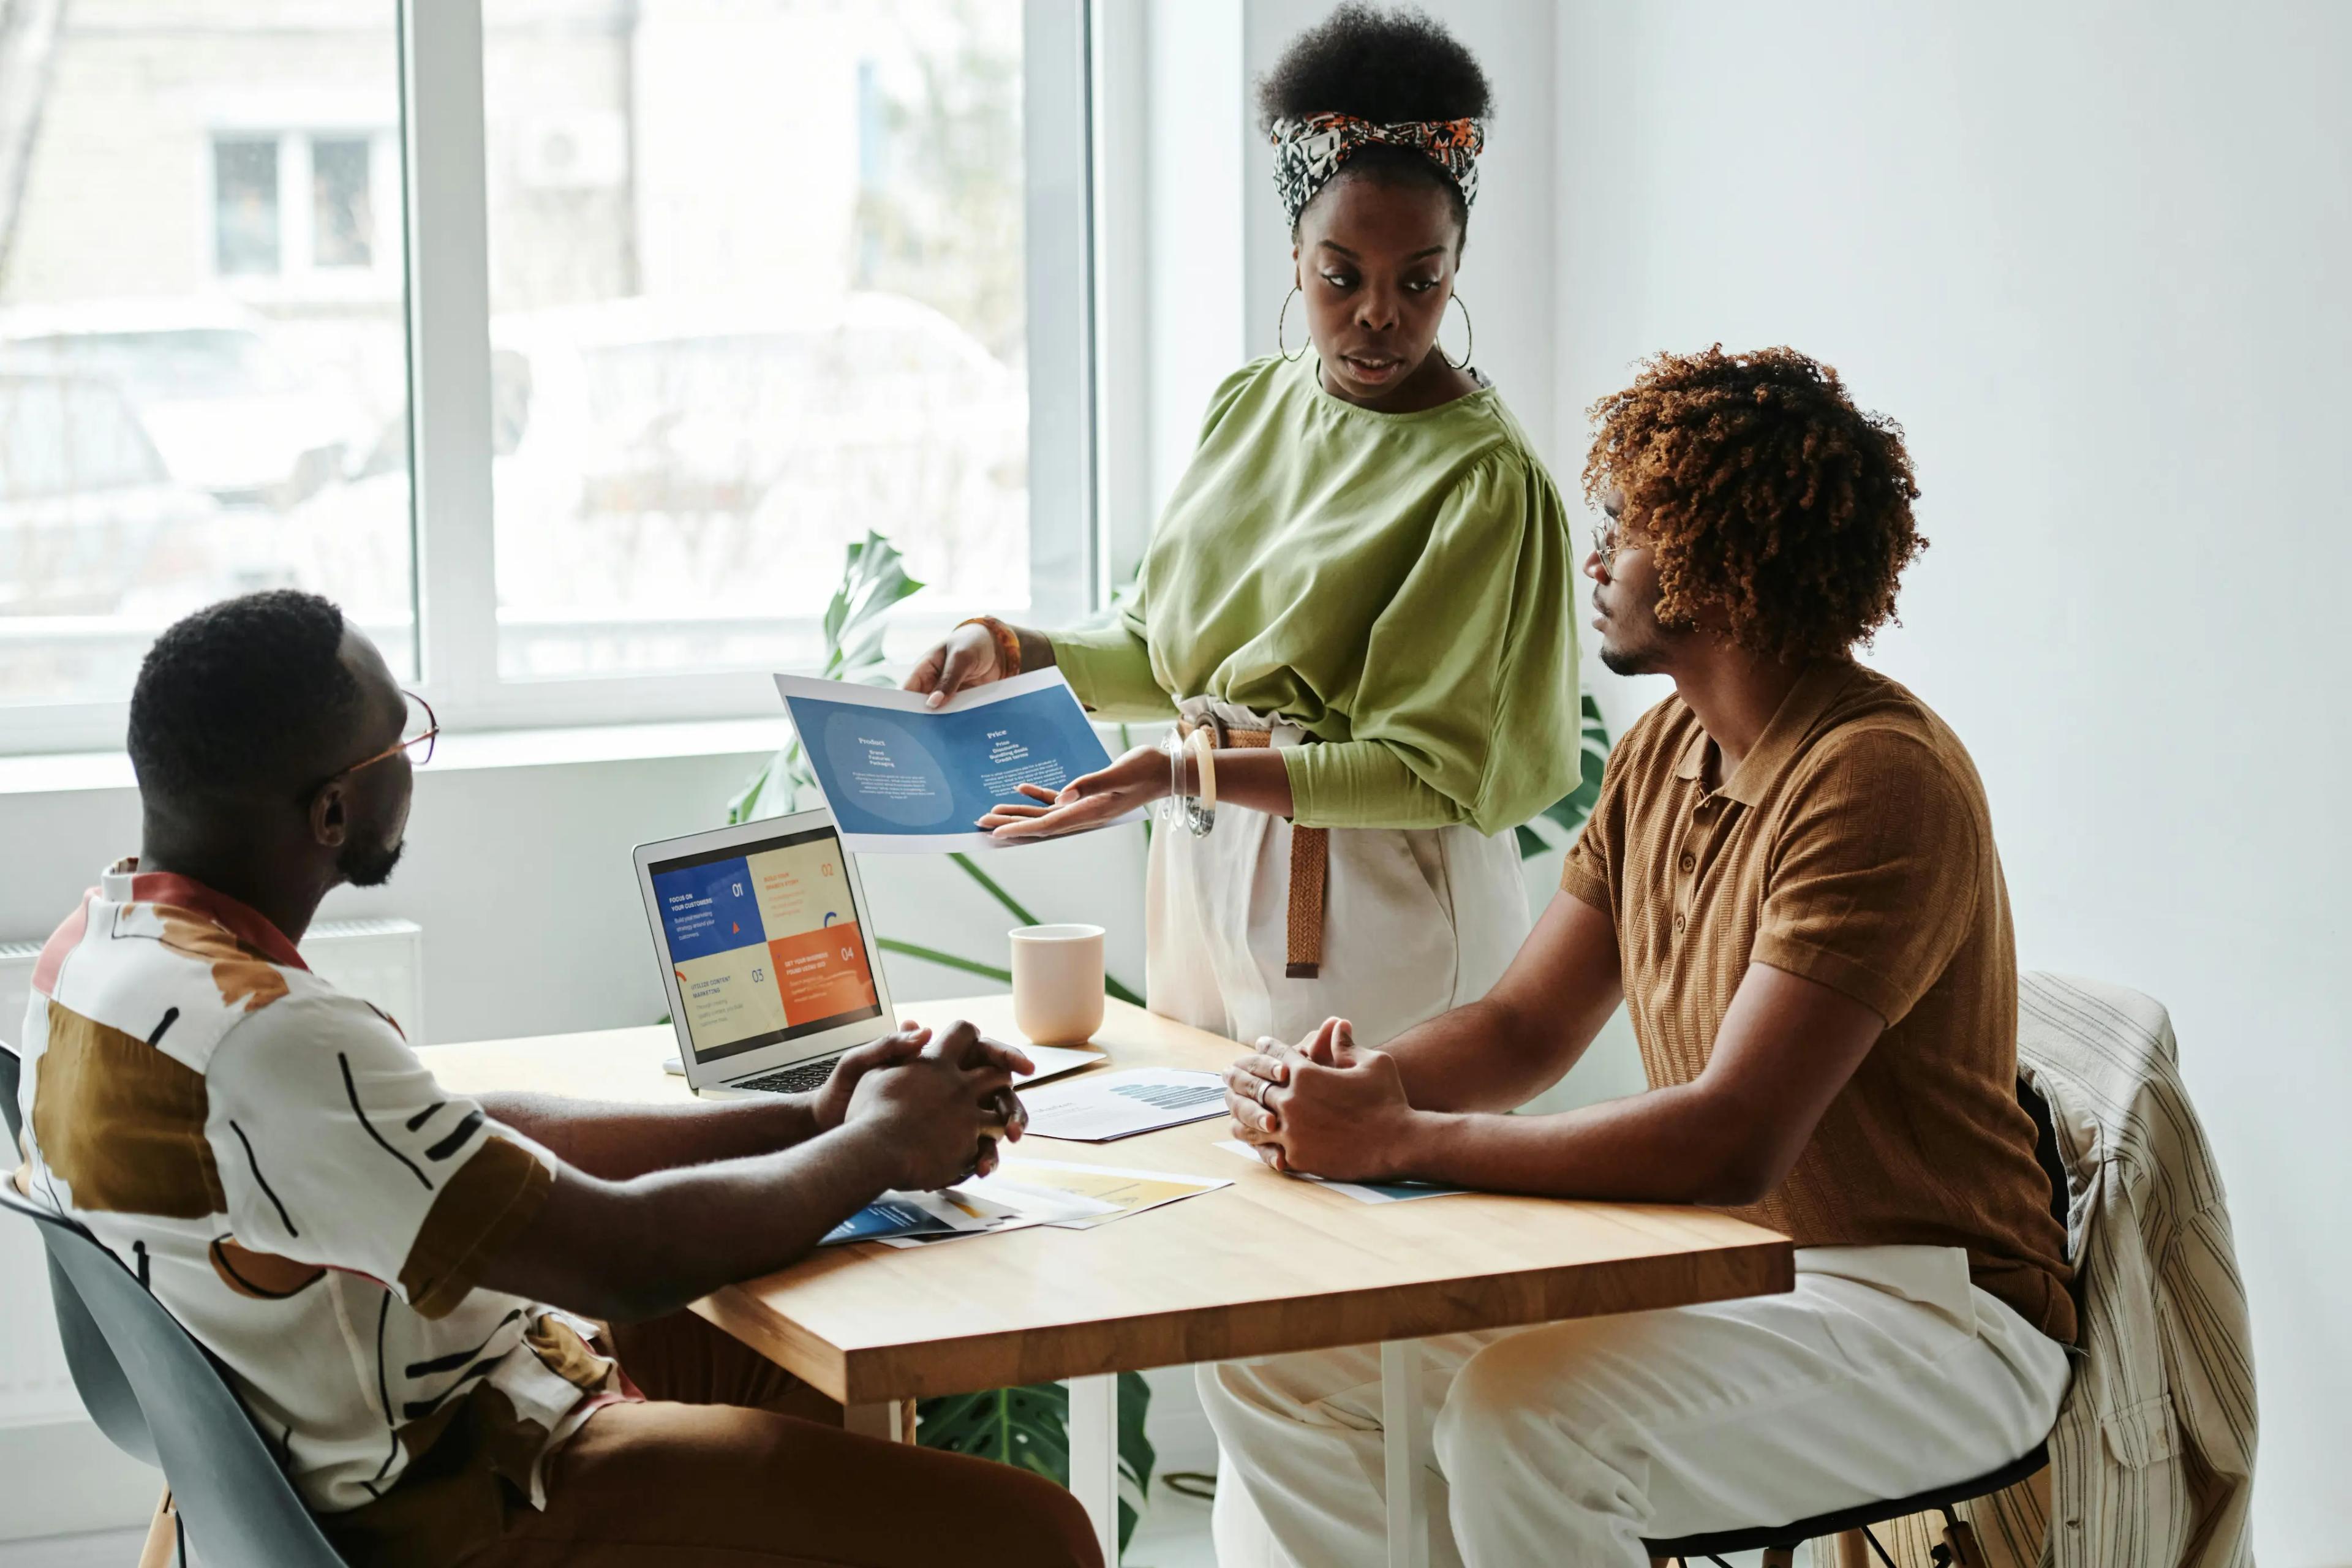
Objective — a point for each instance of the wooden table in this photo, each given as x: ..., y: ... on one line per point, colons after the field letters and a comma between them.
x: 1270, y: 1264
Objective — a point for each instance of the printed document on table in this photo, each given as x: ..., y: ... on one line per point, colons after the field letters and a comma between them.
x: 1362, y: 1192
x: 903, y: 777
x: 914, y: 1219
x: 1100, y: 1106
x: 1116, y: 1191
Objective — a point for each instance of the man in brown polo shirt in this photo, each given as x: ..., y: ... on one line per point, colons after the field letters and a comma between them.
x: 1791, y: 881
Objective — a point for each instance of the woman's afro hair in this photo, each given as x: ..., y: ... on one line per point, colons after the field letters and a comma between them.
x: 1384, y: 66
x: 1381, y: 66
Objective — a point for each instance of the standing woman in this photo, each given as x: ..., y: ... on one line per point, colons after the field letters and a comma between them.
x: 1358, y: 603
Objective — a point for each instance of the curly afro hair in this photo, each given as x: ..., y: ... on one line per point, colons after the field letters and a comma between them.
x: 1385, y: 66
x: 1763, y: 493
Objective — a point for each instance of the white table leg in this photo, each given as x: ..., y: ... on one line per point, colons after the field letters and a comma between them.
x: 1094, y: 1455
x: 1405, y: 1446
x: 890, y: 1420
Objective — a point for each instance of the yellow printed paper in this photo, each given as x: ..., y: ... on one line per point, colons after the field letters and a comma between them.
x: 1128, y: 1192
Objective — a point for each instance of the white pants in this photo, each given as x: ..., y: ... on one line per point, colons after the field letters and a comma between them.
x: 1417, y: 921
x: 1884, y: 1374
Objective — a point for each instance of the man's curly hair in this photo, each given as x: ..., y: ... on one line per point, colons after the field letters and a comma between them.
x: 1762, y: 493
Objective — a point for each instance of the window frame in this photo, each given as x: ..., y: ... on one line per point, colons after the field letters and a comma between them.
x: 442, y: 183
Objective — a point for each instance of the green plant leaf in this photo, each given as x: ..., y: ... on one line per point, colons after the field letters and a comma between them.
x: 949, y: 960
x: 1029, y: 1426
x: 995, y: 888
x: 874, y: 579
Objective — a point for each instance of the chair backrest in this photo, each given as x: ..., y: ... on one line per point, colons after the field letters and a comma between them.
x: 160, y: 1398
x: 11, y: 1072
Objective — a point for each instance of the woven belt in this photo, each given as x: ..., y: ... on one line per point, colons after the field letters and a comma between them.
x: 1310, y: 866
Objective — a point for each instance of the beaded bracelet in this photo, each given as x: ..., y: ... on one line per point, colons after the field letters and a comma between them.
x: 1008, y: 644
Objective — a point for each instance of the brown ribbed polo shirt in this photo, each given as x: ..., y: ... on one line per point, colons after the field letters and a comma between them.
x: 1852, y: 847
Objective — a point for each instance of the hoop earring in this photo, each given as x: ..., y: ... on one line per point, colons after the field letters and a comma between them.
x: 1468, y: 349
x: 1279, y: 347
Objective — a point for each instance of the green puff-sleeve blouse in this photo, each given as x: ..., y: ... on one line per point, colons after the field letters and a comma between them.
x: 1398, y: 584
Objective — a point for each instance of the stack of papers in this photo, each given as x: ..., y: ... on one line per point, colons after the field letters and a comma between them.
x: 1101, y: 1107
x: 1119, y: 1191
x: 1362, y: 1192
x: 911, y: 1219
x: 1016, y: 1195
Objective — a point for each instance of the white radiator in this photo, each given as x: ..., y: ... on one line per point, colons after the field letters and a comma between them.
x: 382, y: 961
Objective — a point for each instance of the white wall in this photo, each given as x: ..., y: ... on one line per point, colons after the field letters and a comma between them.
x: 2094, y: 258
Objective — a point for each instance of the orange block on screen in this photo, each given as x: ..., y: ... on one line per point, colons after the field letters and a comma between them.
x: 822, y: 973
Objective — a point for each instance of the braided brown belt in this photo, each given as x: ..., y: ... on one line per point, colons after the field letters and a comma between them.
x: 1311, y: 866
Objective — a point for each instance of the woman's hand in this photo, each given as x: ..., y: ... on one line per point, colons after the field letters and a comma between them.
x: 1135, y: 779
x: 968, y: 658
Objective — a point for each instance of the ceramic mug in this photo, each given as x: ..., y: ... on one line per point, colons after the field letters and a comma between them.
x: 1057, y: 983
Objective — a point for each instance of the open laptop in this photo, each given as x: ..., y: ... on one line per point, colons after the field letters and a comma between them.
x: 768, y: 958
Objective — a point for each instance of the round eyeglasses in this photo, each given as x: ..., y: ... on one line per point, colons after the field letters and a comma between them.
x: 422, y: 729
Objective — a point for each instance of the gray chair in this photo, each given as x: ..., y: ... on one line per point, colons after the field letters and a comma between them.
x: 162, y: 1399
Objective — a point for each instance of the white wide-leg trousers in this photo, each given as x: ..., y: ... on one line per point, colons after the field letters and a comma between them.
x: 1417, y: 921
x: 1884, y: 1374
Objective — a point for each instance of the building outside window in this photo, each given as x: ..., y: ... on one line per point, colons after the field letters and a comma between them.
x: 756, y: 283
x: 245, y: 206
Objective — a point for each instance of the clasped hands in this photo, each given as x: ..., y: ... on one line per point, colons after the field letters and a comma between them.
x: 1324, y: 1106
x: 945, y: 1100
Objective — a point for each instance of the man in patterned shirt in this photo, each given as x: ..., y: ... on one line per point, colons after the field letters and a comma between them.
x: 404, y: 1282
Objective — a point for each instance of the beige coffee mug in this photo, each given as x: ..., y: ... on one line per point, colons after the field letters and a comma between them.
x: 1058, y: 983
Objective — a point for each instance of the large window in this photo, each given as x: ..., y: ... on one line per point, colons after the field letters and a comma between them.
x: 688, y: 297
x: 179, y: 396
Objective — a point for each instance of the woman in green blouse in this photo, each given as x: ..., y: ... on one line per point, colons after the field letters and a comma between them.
x: 1360, y: 589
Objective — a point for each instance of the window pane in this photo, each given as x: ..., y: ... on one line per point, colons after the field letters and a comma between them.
x: 343, y: 217
x: 184, y: 414
x: 756, y: 279
x: 245, y: 205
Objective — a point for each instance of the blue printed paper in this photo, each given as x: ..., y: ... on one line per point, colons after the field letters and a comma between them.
x: 885, y: 1217
x: 901, y: 777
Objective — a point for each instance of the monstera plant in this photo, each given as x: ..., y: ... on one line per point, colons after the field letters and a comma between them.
x: 873, y: 581
x: 1026, y: 1426
x: 1558, y: 824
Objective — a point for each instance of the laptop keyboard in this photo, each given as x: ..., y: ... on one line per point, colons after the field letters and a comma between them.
x: 795, y: 1079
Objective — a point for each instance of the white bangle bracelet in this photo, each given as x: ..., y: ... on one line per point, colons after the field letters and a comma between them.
x: 1205, y: 756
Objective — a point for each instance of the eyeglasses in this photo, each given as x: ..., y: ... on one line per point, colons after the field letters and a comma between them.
x: 424, y: 737
x: 1605, y: 544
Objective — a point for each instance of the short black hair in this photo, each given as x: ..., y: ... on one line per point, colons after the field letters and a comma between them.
x: 1384, y: 66
x: 247, y: 695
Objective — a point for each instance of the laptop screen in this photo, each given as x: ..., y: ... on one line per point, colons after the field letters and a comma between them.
x: 765, y: 942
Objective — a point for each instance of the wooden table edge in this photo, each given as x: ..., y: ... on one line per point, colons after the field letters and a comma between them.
x: 858, y: 1375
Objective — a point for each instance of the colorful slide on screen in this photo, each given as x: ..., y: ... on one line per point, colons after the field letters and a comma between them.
x: 765, y: 942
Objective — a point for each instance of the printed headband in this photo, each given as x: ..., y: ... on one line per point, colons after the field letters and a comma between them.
x: 1307, y: 152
